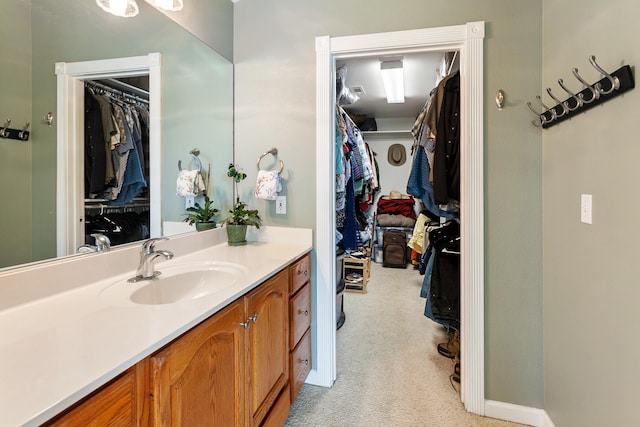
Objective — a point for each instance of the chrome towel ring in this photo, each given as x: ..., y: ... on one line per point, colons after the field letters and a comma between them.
x: 196, y: 160
x: 273, y: 152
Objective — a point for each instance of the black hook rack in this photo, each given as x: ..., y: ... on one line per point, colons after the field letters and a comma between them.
x: 605, y: 89
x: 8, y: 133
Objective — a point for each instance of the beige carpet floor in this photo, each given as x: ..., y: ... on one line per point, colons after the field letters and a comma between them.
x: 389, y: 372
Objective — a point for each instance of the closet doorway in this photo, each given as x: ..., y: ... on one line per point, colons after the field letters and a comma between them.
x: 468, y: 41
x: 70, y: 212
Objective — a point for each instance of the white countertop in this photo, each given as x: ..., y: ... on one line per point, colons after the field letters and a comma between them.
x: 57, y: 349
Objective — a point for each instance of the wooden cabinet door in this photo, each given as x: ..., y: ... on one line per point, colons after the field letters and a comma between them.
x: 117, y: 404
x: 198, y: 379
x: 268, y: 346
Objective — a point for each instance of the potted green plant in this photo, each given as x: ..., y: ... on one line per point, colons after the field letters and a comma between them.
x: 202, y: 215
x: 239, y: 215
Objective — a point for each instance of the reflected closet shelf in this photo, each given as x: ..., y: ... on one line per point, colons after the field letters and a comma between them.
x: 387, y: 134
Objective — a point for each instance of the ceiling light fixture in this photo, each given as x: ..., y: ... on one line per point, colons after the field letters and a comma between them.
x: 123, y: 8
x: 170, y: 5
x: 393, y: 81
x: 129, y: 8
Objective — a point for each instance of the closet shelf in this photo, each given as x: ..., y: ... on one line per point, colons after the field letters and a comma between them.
x: 98, y: 201
x: 388, y: 133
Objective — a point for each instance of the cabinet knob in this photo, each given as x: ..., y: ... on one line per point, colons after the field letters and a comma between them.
x: 305, y: 361
x: 306, y: 312
x: 253, y: 318
x: 306, y: 273
x: 245, y: 324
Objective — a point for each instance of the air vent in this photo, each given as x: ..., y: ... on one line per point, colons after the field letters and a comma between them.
x: 358, y: 90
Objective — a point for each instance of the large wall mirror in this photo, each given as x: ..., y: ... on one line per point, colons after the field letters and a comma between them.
x: 196, y: 109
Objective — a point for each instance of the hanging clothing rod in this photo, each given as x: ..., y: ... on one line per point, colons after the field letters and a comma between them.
x: 129, y: 88
x: 453, y: 60
x: 144, y: 98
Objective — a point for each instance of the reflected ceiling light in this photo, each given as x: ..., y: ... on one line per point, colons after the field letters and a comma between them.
x: 172, y: 5
x: 393, y: 81
x: 124, y: 8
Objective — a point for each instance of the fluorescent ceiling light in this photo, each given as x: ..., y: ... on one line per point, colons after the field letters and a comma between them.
x: 124, y: 8
x: 393, y: 81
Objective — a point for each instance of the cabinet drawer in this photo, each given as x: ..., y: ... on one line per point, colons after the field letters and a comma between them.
x: 299, y: 273
x: 299, y: 314
x: 300, y: 364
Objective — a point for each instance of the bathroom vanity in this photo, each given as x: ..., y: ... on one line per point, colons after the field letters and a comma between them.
x: 234, y: 355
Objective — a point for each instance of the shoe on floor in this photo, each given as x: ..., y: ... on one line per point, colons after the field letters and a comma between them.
x: 450, y: 348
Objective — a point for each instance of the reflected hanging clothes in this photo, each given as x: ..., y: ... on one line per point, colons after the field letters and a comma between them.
x: 133, y: 180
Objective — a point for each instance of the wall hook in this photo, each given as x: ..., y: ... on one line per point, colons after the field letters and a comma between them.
x: 4, y: 132
x: 542, y: 120
x: 565, y: 109
x: 615, y: 82
x: 48, y: 119
x: 595, y: 94
x: 24, y: 135
x: 500, y: 99
x: 577, y: 100
x: 554, y: 115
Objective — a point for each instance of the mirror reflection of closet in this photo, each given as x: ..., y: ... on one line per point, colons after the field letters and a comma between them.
x: 116, y: 160
x: 137, y: 80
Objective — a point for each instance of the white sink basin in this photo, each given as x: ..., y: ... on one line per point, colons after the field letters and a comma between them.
x: 185, y: 282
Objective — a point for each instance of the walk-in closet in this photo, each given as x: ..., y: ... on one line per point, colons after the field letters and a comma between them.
x: 116, y: 160
x: 398, y: 186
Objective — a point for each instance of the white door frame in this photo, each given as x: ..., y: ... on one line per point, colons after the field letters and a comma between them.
x: 70, y: 137
x: 468, y: 40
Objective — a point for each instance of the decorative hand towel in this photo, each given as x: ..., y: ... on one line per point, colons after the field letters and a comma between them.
x: 186, y: 185
x: 200, y: 187
x: 268, y: 185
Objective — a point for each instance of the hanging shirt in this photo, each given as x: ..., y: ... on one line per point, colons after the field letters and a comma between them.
x: 94, y: 152
x: 446, y: 162
x: 133, y: 178
x: 419, y: 185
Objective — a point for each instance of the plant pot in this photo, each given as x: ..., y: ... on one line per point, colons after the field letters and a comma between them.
x: 201, y: 226
x: 236, y: 234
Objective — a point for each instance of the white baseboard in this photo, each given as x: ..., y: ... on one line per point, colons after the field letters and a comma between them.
x: 517, y: 414
x: 546, y: 420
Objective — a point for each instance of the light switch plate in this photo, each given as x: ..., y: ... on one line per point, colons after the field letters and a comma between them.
x: 189, y: 202
x: 281, y: 205
x: 586, y: 206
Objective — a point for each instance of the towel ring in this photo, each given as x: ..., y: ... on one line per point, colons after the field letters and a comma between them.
x: 194, y: 153
x: 274, y: 152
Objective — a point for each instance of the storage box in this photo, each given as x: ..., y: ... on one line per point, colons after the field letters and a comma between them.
x: 377, y: 254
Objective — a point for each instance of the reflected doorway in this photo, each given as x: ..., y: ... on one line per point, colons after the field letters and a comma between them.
x: 70, y: 229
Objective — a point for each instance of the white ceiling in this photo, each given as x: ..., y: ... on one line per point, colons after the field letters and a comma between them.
x: 420, y: 70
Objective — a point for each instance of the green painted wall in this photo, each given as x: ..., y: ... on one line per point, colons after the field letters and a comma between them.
x: 210, y: 21
x: 15, y: 172
x: 591, y: 272
x: 274, y: 58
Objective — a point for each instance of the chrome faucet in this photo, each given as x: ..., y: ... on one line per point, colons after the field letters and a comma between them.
x: 148, y: 255
x: 103, y: 244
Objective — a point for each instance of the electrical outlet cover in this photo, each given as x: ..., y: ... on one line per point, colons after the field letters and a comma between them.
x: 281, y: 205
